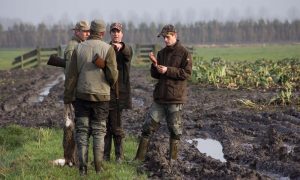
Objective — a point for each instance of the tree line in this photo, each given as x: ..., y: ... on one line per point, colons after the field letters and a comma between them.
x: 24, y: 35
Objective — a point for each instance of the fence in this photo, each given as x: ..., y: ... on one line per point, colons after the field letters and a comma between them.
x: 142, y: 51
x: 35, y: 57
x: 40, y: 56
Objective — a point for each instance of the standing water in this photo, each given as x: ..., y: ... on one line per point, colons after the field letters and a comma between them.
x: 210, y: 147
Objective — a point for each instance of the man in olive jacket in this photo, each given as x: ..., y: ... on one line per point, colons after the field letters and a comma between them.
x: 81, y: 33
x: 114, y: 129
x: 92, y: 92
x: 172, y: 68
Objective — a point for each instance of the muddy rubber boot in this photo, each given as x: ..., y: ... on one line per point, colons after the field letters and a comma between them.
x: 173, y: 149
x: 107, y: 146
x: 83, y: 158
x: 82, y: 170
x: 142, y: 149
x: 98, y: 158
x: 118, y: 142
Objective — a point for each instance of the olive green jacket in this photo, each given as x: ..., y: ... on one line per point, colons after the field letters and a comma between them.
x: 72, y: 44
x: 87, y: 80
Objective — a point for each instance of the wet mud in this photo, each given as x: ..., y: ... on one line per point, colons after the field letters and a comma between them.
x: 257, y: 143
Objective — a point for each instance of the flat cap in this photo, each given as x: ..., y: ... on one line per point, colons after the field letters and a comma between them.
x: 82, y: 25
x: 98, y: 25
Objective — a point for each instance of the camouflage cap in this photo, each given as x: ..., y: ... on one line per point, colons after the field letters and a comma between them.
x: 82, y: 25
x: 116, y: 25
x: 98, y: 25
x: 166, y: 29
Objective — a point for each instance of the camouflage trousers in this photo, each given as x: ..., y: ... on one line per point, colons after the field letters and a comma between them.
x: 90, y: 120
x: 169, y: 112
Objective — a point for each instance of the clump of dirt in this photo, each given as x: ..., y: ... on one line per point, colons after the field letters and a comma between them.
x: 258, y: 143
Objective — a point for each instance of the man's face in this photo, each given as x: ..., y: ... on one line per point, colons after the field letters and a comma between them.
x: 82, y: 35
x: 170, y: 39
x: 116, y: 35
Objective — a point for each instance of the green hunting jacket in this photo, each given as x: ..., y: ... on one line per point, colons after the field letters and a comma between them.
x: 171, y: 87
x: 124, y: 57
x: 72, y: 44
x: 87, y: 80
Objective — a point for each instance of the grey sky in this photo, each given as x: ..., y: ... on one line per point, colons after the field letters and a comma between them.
x: 173, y: 11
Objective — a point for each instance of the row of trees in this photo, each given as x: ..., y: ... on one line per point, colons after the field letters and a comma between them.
x: 212, y: 32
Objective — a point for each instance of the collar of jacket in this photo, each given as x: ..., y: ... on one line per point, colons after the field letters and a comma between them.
x: 95, y: 36
x: 170, y: 48
x: 76, y: 39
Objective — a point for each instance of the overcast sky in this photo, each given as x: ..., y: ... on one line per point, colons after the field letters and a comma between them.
x: 164, y: 11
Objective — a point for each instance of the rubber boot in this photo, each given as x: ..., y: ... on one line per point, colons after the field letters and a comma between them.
x: 173, y: 149
x: 98, y: 156
x: 142, y: 149
x: 107, y: 146
x: 118, y: 142
x: 83, y: 160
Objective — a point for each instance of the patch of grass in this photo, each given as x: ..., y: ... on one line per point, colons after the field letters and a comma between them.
x: 249, y: 52
x: 27, y: 153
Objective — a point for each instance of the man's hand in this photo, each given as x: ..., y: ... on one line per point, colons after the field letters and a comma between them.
x: 161, y: 69
x: 117, y: 46
x: 98, y: 61
x: 153, y: 59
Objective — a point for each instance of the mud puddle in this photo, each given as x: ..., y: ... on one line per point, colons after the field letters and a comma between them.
x: 210, y: 147
x: 46, y: 90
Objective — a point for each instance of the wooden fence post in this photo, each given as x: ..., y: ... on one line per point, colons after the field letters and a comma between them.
x: 22, y: 62
x: 59, y: 51
x: 38, y: 56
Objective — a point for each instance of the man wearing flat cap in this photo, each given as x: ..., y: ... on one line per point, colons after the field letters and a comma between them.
x: 81, y: 33
x: 120, y: 96
x: 91, y: 86
x: 172, y: 68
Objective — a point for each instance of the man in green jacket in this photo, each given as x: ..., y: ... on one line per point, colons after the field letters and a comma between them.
x: 172, y: 68
x: 120, y: 96
x: 81, y: 33
x: 91, y: 86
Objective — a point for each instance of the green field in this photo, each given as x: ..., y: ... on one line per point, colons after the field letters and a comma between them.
x: 227, y: 53
x: 249, y: 52
x: 7, y: 56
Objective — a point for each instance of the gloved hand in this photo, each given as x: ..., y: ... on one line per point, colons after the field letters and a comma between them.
x: 98, y: 61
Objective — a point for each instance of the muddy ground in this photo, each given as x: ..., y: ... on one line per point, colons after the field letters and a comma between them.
x: 258, y: 143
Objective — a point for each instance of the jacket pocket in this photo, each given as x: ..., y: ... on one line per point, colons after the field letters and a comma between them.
x: 174, y: 91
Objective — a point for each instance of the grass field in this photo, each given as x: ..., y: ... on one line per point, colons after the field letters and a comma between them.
x: 26, y: 153
x: 7, y: 56
x: 249, y: 52
x: 227, y: 53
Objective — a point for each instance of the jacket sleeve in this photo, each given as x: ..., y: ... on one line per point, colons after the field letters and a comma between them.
x: 111, y: 71
x: 184, y: 71
x: 71, y: 80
